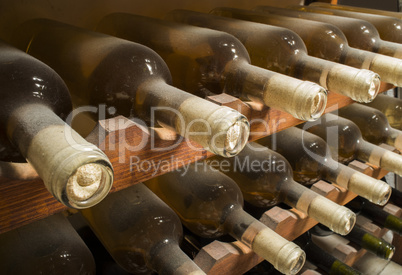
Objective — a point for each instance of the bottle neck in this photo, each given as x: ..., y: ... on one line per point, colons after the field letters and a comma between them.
x: 380, y: 157
x: 302, y: 99
x: 371, y: 243
x: 75, y: 171
x: 390, y: 48
x: 167, y: 258
x: 394, y: 137
x: 389, y: 68
x: 285, y: 256
x: 365, y: 186
x: 360, y: 85
x: 341, y: 220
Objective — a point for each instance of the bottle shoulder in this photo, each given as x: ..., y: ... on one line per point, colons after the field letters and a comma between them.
x: 26, y: 80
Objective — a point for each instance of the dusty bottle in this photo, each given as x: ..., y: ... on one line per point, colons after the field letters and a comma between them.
x: 283, y: 51
x: 323, y: 259
x: 390, y: 28
x: 311, y: 161
x: 357, y: 9
x: 265, y: 178
x: 346, y: 143
x: 47, y: 246
x: 371, y: 243
x: 361, y: 34
x: 210, y: 205
x: 205, y: 61
x: 376, y: 214
x: 325, y: 41
x: 373, y: 125
x: 34, y: 102
x: 101, y: 69
x: 391, y: 107
x: 140, y: 232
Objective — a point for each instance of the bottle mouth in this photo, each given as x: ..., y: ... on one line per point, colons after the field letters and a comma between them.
x: 373, y: 83
x: 89, y: 184
x: 383, y: 194
x: 310, y: 101
x: 294, y: 261
x: 83, y: 179
x: 319, y: 104
x: 347, y: 222
x: 230, y: 133
x: 236, y: 137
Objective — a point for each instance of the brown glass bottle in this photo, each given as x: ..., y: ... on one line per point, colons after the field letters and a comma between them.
x: 346, y: 143
x: 101, y: 69
x: 325, y: 41
x: 47, y: 246
x: 283, y: 51
x: 391, y: 107
x: 205, y: 61
x: 266, y: 178
x: 210, y: 205
x: 311, y: 161
x: 140, y: 232
x: 34, y: 102
x: 373, y: 125
x: 361, y: 34
x: 357, y: 9
x: 390, y: 28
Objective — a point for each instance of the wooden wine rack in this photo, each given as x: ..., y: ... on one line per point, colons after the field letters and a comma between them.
x: 25, y: 200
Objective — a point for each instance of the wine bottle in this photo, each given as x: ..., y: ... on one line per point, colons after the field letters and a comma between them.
x: 283, y: 51
x: 311, y: 160
x: 205, y: 61
x: 47, y: 246
x: 376, y: 214
x: 34, y: 102
x: 101, y: 69
x: 390, y: 28
x: 210, y: 205
x: 265, y: 179
x: 361, y: 34
x: 391, y: 107
x: 373, y: 125
x: 140, y: 232
x: 346, y: 143
x: 359, y: 236
x: 325, y: 41
x: 357, y: 9
x: 371, y: 243
x: 323, y: 259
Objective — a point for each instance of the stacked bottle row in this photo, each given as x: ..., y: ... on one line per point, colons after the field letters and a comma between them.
x: 142, y: 230
x: 161, y: 71
x: 200, y: 54
x: 209, y: 203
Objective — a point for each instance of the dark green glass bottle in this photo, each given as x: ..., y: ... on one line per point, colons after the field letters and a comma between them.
x: 371, y: 243
x: 323, y: 259
x: 376, y: 214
